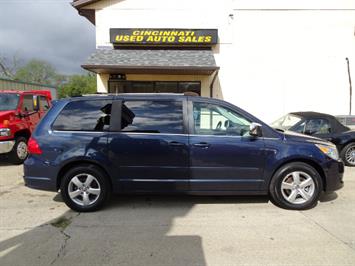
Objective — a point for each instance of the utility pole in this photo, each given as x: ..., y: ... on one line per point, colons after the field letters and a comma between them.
x: 351, y: 89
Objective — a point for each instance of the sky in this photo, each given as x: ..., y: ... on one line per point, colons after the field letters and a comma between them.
x: 50, y: 30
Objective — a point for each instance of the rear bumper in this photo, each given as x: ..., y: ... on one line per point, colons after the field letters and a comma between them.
x: 6, y: 146
x: 39, y: 175
x: 334, y: 176
x: 41, y: 183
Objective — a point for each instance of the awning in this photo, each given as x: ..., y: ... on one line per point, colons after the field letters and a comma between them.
x: 197, y: 62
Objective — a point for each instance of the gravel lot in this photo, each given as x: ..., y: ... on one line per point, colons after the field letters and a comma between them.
x: 36, y: 228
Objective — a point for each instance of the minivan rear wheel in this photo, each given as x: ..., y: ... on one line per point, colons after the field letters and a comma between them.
x: 85, y: 188
x: 296, y: 186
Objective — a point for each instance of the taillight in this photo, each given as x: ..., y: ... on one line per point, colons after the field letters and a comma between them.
x: 33, y: 146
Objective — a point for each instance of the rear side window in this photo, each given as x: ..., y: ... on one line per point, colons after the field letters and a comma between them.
x: 84, y: 116
x: 152, y: 117
x: 44, y: 103
x: 317, y: 126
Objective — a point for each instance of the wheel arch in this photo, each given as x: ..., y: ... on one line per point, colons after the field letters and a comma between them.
x: 23, y: 133
x: 312, y: 163
x: 66, y: 167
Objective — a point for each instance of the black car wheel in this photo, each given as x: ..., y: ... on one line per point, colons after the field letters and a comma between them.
x: 19, y: 152
x: 348, y: 154
x: 85, y: 188
x: 296, y: 186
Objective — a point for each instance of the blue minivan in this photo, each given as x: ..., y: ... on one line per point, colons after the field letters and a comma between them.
x: 89, y: 147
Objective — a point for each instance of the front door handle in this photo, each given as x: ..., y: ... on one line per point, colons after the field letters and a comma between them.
x: 175, y: 143
x: 202, y: 145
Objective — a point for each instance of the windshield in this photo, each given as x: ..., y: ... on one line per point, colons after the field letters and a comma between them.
x: 8, y: 101
x: 286, y: 122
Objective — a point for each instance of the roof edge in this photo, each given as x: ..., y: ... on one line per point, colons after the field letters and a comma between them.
x: 81, y: 3
x: 87, y: 13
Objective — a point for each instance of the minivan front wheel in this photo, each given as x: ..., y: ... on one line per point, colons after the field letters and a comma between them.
x: 19, y: 152
x: 85, y: 188
x: 296, y: 186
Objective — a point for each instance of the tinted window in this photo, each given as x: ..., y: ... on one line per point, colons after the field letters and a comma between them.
x: 152, y: 117
x: 44, y: 103
x: 317, y: 126
x: 27, y: 103
x: 212, y: 119
x: 85, y: 116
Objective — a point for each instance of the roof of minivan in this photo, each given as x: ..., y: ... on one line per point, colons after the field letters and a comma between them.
x: 131, y: 95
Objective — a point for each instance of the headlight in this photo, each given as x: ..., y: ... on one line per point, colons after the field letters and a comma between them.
x: 330, y: 151
x: 5, y: 132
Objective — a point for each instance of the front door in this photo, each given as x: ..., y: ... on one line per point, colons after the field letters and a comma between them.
x: 149, y: 151
x: 31, y: 117
x: 223, y: 156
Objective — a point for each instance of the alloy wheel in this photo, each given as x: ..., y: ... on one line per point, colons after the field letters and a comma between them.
x: 350, y: 155
x: 298, y: 187
x: 84, y: 189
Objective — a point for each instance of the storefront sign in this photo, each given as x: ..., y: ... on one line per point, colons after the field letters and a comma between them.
x: 164, y: 37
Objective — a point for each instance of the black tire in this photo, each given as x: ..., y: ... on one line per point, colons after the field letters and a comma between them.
x: 101, y: 182
x: 14, y: 155
x: 278, y: 195
x: 343, y: 154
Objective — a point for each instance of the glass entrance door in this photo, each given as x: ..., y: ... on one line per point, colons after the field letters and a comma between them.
x: 126, y: 86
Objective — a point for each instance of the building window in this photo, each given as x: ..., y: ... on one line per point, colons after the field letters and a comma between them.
x: 126, y: 86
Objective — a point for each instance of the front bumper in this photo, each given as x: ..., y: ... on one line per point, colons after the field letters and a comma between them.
x: 6, y: 146
x: 334, y: 176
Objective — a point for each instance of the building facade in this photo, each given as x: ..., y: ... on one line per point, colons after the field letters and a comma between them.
x: 269, y: 57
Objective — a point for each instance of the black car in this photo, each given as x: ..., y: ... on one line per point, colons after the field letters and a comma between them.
x: 321, y: 126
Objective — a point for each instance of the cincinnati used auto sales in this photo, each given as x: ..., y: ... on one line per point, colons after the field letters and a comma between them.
x: 163, y: 36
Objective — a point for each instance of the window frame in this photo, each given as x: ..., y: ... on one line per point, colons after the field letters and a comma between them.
x: 116, y: 111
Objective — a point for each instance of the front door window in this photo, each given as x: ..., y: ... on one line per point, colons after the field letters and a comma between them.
x: 210, y: 119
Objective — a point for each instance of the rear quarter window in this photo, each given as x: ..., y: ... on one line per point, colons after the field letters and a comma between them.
x: 84, y: 116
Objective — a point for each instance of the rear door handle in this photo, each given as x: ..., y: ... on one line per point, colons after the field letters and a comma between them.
x: 202, y: 145
x: 175, y: 143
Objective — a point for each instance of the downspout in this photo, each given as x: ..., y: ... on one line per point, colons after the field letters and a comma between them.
x: 351, y: 89
x: 212, y: 83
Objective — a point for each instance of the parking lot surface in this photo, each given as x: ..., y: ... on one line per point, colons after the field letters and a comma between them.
x: 36, y: 228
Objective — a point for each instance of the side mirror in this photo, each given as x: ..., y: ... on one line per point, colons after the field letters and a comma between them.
x: 255, y: 130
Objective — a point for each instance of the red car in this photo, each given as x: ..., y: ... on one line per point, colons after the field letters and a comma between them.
x: 20, y: 112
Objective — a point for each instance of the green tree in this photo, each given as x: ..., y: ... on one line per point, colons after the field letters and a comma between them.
x: 78, y: 85
x: 38, y: 71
